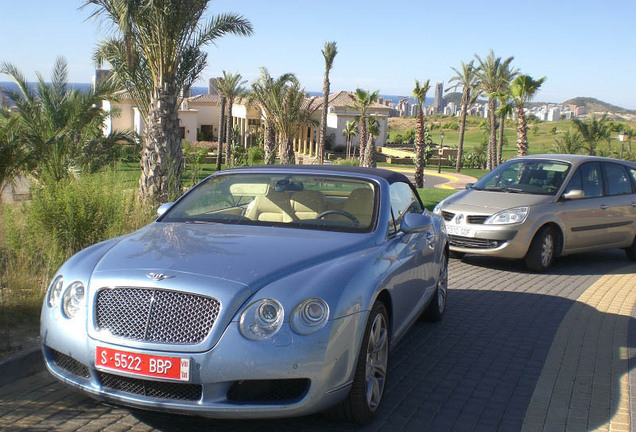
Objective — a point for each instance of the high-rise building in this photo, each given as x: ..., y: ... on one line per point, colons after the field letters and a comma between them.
x: 438, y: 103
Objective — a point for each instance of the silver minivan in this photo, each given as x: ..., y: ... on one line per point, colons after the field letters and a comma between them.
x: 541, y: 206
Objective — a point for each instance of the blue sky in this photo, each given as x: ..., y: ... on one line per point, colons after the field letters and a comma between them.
x: 584, y: 48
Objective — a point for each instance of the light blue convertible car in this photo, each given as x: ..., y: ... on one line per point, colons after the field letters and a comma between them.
x: 262, y: 292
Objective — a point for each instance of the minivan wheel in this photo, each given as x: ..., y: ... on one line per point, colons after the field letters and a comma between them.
x: 540, y: 255
x: 631, y: 251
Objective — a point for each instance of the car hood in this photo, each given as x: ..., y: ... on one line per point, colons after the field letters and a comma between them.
x: 248, y: 255
x: 227, y: 262
x: 487, y: 202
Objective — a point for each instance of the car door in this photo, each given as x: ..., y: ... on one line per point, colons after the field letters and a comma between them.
x: 412, y: 280
x: 585, y: 219
x: 620, y: 204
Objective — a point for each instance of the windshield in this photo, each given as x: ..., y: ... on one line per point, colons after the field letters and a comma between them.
x: 320, y: 202
x: 541, y: 177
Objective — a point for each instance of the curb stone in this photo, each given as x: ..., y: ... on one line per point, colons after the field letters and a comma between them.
x: 21, y: 365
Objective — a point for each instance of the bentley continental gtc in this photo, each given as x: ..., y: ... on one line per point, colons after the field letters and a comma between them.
x: 262, y: 292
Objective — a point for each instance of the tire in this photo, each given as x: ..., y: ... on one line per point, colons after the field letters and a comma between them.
x: 631, y: 251
x: 437, y: 306
x: 541, y: 253
x: 369, y: 381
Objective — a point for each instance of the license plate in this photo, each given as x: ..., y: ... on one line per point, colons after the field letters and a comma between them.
x: 459, y: 230
x: 170, y: 368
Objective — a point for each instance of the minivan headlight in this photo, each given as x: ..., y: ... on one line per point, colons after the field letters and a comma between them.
x: 262, y: 319
x: 438, y: 208
x: 510, y: 216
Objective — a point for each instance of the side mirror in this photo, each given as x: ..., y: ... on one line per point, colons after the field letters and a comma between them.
x: 574, y: 195
x: 469, y: 185
x: 164, y: 208
x: 414, y: 222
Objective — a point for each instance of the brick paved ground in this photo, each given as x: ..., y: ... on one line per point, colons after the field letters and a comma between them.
x: 513, y: 347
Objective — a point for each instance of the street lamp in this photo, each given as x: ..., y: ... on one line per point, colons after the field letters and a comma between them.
x: 440, y: 153
x: 621, y: 139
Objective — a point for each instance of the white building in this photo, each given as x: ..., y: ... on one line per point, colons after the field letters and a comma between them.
x: 199, y: 118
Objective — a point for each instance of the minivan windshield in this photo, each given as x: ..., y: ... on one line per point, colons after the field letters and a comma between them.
x: 526, y: 176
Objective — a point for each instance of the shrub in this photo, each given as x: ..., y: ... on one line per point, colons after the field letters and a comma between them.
x: 347, y: 162
x: 255, y: 156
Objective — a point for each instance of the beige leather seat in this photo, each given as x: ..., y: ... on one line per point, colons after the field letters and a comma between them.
x: 307, y: 204
x: 273, y: 207
x: 360, y: 204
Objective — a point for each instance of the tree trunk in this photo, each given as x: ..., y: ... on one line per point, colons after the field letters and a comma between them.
x: 229, y: 132
x: 363, y: 141
x: 162, y: 155
x: 419, y: 145
x: 462, y: 129
x: 286, y: 149
x: 370, y: 153
x: 490, y: 164
x: 323, y: 120
x: 500, y: 141
x: 522, y: 131
x: 269, y: 142
x: 219, y: 150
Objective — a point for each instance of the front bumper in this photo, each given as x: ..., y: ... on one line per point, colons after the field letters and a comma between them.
x: 287, y: 375
x: 504, y: 243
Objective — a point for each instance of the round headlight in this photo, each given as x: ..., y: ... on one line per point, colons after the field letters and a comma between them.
x: 309, y: 316
x: 262, y: 319
x: 73, y: 299
x: 55, y: 291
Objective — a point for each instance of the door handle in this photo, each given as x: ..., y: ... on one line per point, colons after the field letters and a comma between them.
x: 604, y: 207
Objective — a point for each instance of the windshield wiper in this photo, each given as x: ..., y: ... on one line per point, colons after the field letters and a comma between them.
x: 502, y: 189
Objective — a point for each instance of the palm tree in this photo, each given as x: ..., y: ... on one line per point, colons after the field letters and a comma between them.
x: 329, y: 53
x: 523, y: 89
x: 419, y: 96
x: 491, y: 73
x: 289, y: 111
x: 221, y: 138
x: 593, y: 131
x: 231, y: 86
x: 504, y: 110
x: 570, y: 142
x: 266, y: 91
x: 12, y: 155
x: 156, y: 57
x: 350, y: 130
x: 362, y: 100
x: 60, y: 128
x: 467, y: 79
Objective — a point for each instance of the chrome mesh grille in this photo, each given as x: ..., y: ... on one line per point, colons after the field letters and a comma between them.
x: 152, y: 315
x: 156, y: 389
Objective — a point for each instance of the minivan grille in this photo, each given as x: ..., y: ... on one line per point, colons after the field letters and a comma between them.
x: 152, y: 315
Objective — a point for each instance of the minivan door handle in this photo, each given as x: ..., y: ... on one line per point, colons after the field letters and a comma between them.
x: 604, y: 207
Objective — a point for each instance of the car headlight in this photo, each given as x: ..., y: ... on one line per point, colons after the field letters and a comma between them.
x: 73, y: 299
x: 510, y: 216
x: 262, y: 319
x: 438, y: 208
x: 55, y: 291
x: 309, y: 316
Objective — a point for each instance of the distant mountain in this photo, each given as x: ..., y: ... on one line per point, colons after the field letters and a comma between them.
x: 594, y: 105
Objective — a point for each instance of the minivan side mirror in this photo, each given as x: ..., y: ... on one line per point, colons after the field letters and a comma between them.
x: 574, y: 195
x: 469, y: 185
